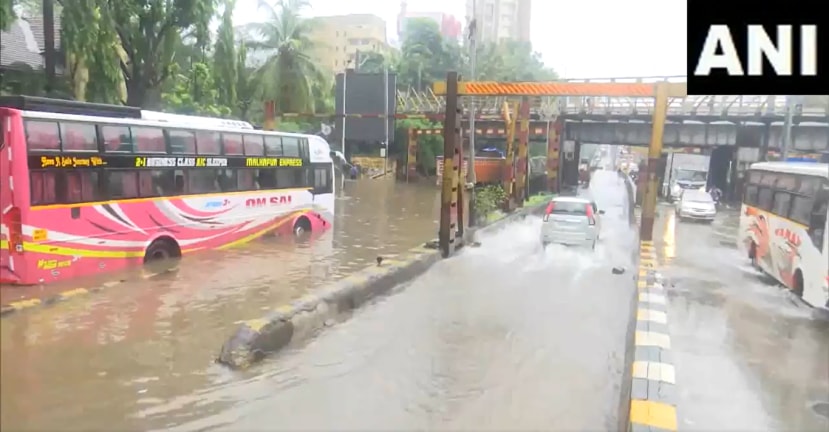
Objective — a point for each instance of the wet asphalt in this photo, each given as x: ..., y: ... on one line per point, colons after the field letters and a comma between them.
x: 503, y: 337
x: 748, y: 354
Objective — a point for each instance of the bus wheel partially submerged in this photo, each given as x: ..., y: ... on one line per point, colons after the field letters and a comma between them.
x: 302, y: 226
x: 797, y: 283
x: 162, y: 249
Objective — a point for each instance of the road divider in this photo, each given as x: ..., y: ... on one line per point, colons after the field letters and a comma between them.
x: 257, y: 338
x: 652, y: 373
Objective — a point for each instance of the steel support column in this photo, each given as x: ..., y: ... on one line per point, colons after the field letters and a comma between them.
x: 556, y: 127
x: 448, y: 230
x: 460, y: 179
x: 520, y: 191
x: 660, y: 112
x: 509, y: 155
x: 411, y: 159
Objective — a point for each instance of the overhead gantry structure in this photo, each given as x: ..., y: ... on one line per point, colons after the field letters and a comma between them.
x: 451, y: 221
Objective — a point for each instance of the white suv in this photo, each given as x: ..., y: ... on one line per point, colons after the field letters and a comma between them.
x: 571, y: 221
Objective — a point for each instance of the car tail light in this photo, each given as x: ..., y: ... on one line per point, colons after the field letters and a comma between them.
x: 590, y: 219
x: 13, y: 221
x: 548, y: 211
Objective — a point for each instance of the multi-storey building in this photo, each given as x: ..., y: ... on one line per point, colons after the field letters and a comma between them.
x: 500, y: 19
x: 450, y: 27
x: 338, y: 39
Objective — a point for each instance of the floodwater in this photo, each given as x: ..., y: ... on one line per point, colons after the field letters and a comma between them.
x: 748, y: 354
x: 96, y: 363
x: 503, y: 337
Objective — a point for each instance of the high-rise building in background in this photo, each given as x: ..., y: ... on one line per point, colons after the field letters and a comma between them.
x: 450, y: 27
x: 500, y: 19
x: 338, y: 39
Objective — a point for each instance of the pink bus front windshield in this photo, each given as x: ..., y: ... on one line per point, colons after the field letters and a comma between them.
x: 72, y: 215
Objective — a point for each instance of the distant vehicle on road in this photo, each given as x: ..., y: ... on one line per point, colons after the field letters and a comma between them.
x: 784, y: 226
x: 684, y: 171
x: 695, y: 204
x: 86, y: 194
x: 571, y: 221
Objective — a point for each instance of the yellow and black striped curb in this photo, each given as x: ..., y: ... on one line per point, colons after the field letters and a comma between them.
x: 63, y: 296
x: 255, y: 339
x: 653, y: 386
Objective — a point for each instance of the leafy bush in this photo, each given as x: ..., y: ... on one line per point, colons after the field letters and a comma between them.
x: 489, y: 199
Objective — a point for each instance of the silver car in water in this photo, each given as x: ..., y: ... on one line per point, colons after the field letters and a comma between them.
x: 695, y: 204
x: 571, y: 221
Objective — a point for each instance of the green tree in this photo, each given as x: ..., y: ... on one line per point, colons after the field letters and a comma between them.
x: 7, y: 15
x: 92, y: 52
x: 373, y: 62
x: 425, y: 56
x: 224, y: 59
x: 138, y: 37
x: 288, y: 75
x: 246, y: 85
x: 195, y: 93
x: 510, y: 60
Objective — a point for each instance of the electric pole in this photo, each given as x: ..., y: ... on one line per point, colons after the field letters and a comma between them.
x: 787, y: 130
x: 471, y: 177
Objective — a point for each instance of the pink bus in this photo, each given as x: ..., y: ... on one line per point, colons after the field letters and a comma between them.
x: 82, y: 195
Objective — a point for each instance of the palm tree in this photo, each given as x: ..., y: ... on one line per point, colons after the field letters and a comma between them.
x: 289, y: 75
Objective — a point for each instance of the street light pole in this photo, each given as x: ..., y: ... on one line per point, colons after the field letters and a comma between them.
x: 787, y: 131
x: 342, y: 129
x: 386, y: 116
x: 470, y: 171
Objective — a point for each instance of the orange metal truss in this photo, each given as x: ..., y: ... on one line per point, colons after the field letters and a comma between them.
x: 613, y: 89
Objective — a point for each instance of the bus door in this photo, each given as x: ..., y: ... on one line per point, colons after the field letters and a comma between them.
x: 11, y: 228
x: 818, y: 219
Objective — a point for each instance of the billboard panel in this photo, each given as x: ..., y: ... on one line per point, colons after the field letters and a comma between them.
x: 364, y: 95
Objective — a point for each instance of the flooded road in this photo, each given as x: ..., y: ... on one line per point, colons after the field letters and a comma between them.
x: 748, y: 356
x: 96, y: 363
x: 502, y: 337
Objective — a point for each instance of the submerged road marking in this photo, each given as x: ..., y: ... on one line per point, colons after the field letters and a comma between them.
x: 24, y: 304
x: 74, y: 292
x: 652, y: 315
x: 285, y: 309
x: 654, y: 371
x: 256, y: 324
x: 653, y: 414
x: 660, y: 340
x: 652, y: 298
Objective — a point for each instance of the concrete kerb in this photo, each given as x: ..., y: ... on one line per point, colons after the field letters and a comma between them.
x: 653, y: 376
x: 14, y: 307
x: 255, y: 339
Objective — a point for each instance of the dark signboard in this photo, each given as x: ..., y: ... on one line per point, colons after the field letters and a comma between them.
x: 364, y: 95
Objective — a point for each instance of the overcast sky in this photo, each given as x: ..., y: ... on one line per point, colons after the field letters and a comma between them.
x: 579, y: 39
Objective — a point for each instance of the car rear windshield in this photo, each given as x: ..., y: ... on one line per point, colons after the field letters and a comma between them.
x: 569, y: 207
x: 699, y: 198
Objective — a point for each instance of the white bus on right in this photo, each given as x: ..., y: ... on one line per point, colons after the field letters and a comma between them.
x: 784, y: 226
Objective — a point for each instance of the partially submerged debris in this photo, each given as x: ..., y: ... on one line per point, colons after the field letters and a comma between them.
x: 618, y: 270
